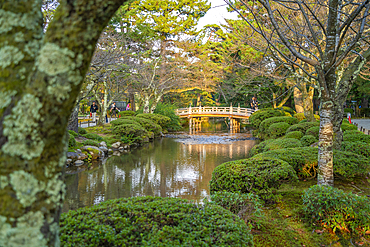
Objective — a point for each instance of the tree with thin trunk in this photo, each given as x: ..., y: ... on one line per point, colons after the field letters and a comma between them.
x: 329, y: 36
x: 40, y: 78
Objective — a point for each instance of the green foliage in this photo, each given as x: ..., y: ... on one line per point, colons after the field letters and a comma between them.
x: 130, y: 139
x: 260, y: 115
x: 300, y: 116
x: 361, y: 148
x: 150, y: 221
x: 356, y: 138
x: 283, y: 143
x: 258, y: 175
x: 71, y: 140
x: 259, y: 148
x: 126, y: 113
x: 303, y: 121
x: 90, y: 143
x: 314, y: 131
x: 125, y: 120
x: 93, y: 136
x: 308, y: 140
x: 348, y: 110
x: 336, y: 210
x: 294, y: 134
x: 352, y: 132
x: 287, y: 109
x: 348, y: 126
x: 302, y: 127
x: 243, y: 205
x: 348, y: 164
x: 71, y: 132
x: 277, y: 129
x: 81, y: 131
x: 134, y: 130
x: 265, y: 124
x: 149, y: 125
x: 168, y: 110
x: 163, y: 121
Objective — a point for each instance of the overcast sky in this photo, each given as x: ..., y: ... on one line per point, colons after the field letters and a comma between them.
x: 216, y: 15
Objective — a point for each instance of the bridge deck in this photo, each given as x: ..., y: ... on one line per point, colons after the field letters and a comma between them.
x: 230, y: 112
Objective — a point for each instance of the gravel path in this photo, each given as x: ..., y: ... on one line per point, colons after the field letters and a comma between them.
x: 365, y: 123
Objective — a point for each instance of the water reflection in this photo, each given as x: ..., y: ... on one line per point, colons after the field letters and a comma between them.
x: 162, y: 168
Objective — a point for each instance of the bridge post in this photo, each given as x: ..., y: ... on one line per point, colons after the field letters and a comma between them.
x: 231, y: 108
x: 190, y: 110
x: 238, y: 107
x: 190, y: 123
x: 231, y: 124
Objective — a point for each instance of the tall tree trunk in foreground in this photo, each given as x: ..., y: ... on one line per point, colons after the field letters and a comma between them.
x: 40, y: 78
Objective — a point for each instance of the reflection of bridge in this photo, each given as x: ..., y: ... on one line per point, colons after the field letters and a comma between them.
x: 193, y: 113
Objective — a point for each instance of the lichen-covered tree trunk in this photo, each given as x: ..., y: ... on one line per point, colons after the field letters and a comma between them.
x: 298, y: 101
x: 40, y: 78
x: 146, y: 103
x: 308, y: 103
x: 73, y: 119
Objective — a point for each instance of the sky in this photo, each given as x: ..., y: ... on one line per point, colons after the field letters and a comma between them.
x: 216, y: 15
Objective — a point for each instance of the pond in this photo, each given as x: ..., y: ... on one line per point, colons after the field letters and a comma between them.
x: 167, y: 167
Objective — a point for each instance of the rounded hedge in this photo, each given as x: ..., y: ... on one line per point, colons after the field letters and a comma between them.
x: 163, y: 121
x: 123, y: 120
x: 283, y: 143
x: 348, y: 126
x: 257, y: 117
x: 337, y: 210
x: 256, y: 175
x: 93, y: 136
x: 361, y: 148
x: 259, y: 148
x: 307, y: 140
x: 352, y: 132
x: 149, y: 125
x: 71, y: 140
x: 71, y: 132
x: 134, y: 130
x: 81, y: 131
x: 294, y: 134
x: 265, y: 124
x: 300, y: 116
x: 302, y: 127
x: 126, y: 113
x: 356, y: 138
x: 314, y: 131
x: 277, y: 129
x: 348, y: 164
x: 153, y: 221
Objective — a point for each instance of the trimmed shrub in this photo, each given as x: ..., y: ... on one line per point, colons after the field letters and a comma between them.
x: 283, y: 143
x: 259, y: 148
x: 133, y: 130
x: 153, y: 221
x: 303, y: 121
x: 90, y: 143
x: 348, y: 126
x: 93, y: 136
x: 265, y: 124
x: 163, y: 121
x: 168, y: 110
x: 71, y: 140
x: 149, y: 125
x: 361, y: 148
x: 348, y: 110
x: 356, y: 138
x: 352, y: 132
x: 314, y: 131
x: 277, y: 129
x: 302, y: 127
x: 345, y: 120
x: 307, y: 140
x: 257, y: 175
x: 287, y: 109
x: 124, y: 120
x: 348, y: 164
x: 81, y: 131
x: 257, y: 117
x: 71, y: 132
x: 294, y: 134
x: 337, y: 210
x: 126, y: 113
x: 300, y: 116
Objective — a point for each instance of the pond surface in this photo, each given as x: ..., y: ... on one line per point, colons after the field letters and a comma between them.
x: 167, y: 167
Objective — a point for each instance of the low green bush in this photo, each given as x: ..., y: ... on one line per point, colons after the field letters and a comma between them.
x: 300, y: 116
x: 303, y: 121
x: 277, y: 129
x: 81, y: 131
x: 265, y: 124
x: 123, y: 120
x: 259, y: 148
x: 93, y: 136
x: 336, y: 210
x: 348, y: 126
x: 356, y: 138
x: 89, y: 142
x: 302, y: 127
x: 345, y: 120
x: 294, y: 134
x: 149, y: 125
x: 126, y: 113
x: 71, y: 140
x: 361, y: 148
x: 287, y: 109
x: 243, y: 205
x: 163, y: 121
x: 308, y: 140
x: 348, y: 164
x: 168, y: 110
x: 283, y: 143
x: 352, y: 132
x: 257, y: 175
x: 71, y: 132
x: 153, y: 221
x: 348, y: 110
x: 314, y: 131
x: 133, y: 130
x: 257, y: 117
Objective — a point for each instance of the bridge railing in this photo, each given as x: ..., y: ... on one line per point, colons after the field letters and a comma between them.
x: 215, y: 110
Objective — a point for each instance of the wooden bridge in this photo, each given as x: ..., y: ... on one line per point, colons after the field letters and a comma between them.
x: 232, y: 113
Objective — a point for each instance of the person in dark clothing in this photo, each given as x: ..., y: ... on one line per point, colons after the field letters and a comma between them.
x: 254, y: 103
x: 114, y: 109
x: 93, y: 109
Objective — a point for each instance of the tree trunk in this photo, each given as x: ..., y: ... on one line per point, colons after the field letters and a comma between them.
x: 146, y: 103
x: 73, y: 119
x: 40, y: 78
x: 308, y: 104
x: 298, y: 101
x: 132, y: 100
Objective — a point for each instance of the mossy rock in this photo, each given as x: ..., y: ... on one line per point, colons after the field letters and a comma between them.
x: 307, y: 140
x: 153, y: 221
x: 257, y: 175
x: 294, y: 134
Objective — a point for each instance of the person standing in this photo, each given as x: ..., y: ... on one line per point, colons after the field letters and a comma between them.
x: 254, y: 103
x: 93, y: 109
x: 114, y: 110
x: 128, y: 107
